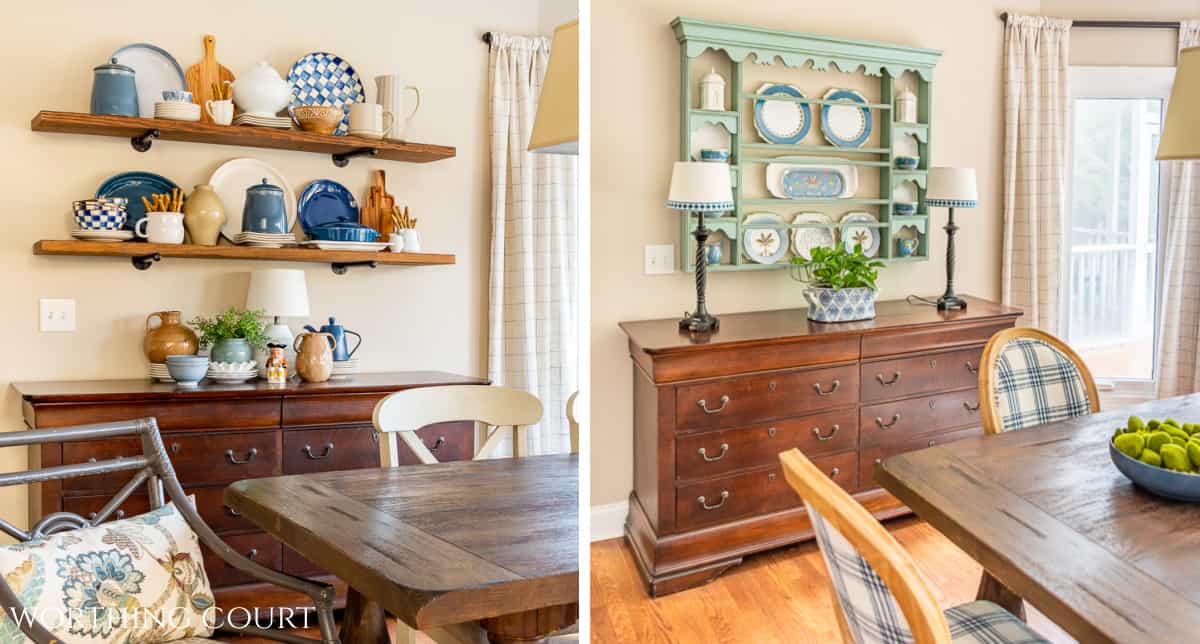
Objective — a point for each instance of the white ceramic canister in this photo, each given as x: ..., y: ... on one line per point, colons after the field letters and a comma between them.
x: 391, y: 94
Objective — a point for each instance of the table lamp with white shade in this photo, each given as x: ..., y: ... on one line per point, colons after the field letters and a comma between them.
x: 700, y: 187
x: 1180, y: 139
x: 279, y: 293
x: 951, y: 188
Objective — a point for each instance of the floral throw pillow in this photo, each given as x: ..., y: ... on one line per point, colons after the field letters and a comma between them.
x: 134, y: 581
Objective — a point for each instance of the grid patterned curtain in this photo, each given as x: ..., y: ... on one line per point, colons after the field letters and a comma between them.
x: 531, y: 330
x: 1036, y: 106
x: 1179, y: 332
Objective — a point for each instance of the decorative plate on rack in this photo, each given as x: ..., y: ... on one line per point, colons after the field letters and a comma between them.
x: 322, y: 78
x: 133, y: 186
x: 230, y: 182
x: 815, y: 178
x: 806, y: 239
x: 765, y: 245
x: 865, y: 235
x: 781, y: 121
x: 153, y: 71
x: 846, y: 126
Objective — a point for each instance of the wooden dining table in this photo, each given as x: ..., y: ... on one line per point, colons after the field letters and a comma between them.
x: 1052, y: 520
x: 465, y: 551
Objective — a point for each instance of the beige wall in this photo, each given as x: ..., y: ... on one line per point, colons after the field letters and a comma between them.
x: 416, y: 318
x: 634, y: 139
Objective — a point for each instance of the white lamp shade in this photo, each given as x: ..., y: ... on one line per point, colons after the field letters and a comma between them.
x: 1181, y: 129
x: 556, y: 124
x: 278, y: 292
x: 700, y: 187
x: 951, y: 188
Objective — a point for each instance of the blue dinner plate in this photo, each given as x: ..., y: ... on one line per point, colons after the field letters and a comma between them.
x: 325, y: 201
x: 771, y: 131
x: 840, y: 132
x: 133, y: 186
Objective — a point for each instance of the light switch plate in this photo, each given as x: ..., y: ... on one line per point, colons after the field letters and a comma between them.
x: 660, y: 259
x: 57, y: 315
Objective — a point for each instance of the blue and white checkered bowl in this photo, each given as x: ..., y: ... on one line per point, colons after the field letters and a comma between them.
x: 100, y: 219
x: 108, y: 204
x: 177, y: 95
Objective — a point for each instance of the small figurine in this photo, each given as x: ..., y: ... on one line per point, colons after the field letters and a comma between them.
x: 277, y: 365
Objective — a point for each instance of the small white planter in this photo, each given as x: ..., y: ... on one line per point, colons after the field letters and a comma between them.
x: 840, y: 305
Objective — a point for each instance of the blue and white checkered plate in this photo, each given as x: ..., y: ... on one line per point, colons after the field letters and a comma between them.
x: 322, y: 78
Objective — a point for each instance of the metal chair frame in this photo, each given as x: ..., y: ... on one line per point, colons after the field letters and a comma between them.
x: 152, y: 468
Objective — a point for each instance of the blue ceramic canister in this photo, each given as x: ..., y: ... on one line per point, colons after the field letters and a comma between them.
x: 712, y: 253
x: 113, y: 90
x: 264, y: 211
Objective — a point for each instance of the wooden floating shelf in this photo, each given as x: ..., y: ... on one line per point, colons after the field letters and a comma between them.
x: 144, y: 254
x: 142, y: 132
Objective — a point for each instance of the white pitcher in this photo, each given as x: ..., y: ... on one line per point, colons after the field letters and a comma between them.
x: 390, y: 93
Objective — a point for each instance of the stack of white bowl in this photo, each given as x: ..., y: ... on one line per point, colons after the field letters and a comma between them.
x: 158, y: 371
x: 232, y: 372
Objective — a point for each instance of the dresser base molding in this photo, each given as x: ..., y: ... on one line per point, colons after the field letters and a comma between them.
x: 671, y: 563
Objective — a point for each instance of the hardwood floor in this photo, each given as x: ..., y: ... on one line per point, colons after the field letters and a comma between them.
x: 780, y: 596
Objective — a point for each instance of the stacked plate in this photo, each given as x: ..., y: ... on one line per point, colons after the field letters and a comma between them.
x: 265, y: 240
x: 104, y: 236
x: 158, y: 371
x: 232, y: 372
x: 177, y: 110
x: 344, y: 368
x: 367, y: 247
x: 281, y: 122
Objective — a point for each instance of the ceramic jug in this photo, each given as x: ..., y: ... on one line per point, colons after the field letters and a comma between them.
x: 314, y: 356
x: 169, y: 338
x: 391, y: 92
x: 264, y: 211
x: 341, y: 352
x: 113, y: 90
x: 203, y: 215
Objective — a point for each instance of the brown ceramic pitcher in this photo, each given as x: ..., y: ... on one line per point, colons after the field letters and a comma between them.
x: 314, y: 356
x: 170, y: 338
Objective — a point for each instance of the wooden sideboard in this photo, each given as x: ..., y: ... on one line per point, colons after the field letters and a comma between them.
x: 218, y: 434
x: 713, y: 411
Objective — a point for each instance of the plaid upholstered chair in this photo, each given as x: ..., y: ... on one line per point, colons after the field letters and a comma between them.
x: 883, y: 597
x: 1029, y: 377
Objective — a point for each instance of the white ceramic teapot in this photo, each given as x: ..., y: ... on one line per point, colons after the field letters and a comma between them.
x: 261, y: 91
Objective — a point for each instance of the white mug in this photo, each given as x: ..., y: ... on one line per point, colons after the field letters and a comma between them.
x: 412, y: 240
x: 390, y: 93
x: 221, y: 112
x: 369, y: 120
x: 161, y: 228
x: 396, y: 242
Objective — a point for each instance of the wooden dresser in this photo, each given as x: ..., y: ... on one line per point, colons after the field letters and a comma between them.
x: 713, y: 411
x: 218, y: 434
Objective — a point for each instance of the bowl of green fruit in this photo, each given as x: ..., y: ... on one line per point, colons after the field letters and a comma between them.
x: 1161, y: 457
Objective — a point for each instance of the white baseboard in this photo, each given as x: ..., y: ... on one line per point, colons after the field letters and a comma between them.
x: 608, y: 521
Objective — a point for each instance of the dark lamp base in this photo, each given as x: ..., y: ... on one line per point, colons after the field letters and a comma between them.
x: 699, y: 323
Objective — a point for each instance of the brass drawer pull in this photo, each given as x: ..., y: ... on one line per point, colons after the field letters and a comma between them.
x: 817, y: 387
x: 705, y: 456
x: 706, y: 506
x: 888, y: 383
x: 967, y: 406
x: 883, y: 425
x: 833, y: 473
x: 236, y: 461
x: 704, y: 405
x: 231, y: 512
x: 971, y: 367
x: 253, y: 553
x: 932, y: 442
x: 824, y: 437
x: 441, y: 440
x: 315, y: 457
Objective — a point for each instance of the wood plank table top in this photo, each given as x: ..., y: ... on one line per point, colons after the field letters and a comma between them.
x: 435, y: 545
x: 1049, y: 516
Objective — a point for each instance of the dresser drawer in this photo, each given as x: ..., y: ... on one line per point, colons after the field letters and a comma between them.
x: 707, y: 454
x: 217, y: 458
x: 324, y: 450
x: 209, y: 504
x: 929, y: 373
x: 176, y: 415
x: 872, y: 456
x: 743, y: 400
x: 329, y: 409
x: 259, y: 546
x: 892, y: 423
x: 751, y: 493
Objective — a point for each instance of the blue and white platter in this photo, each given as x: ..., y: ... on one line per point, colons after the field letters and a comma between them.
x: 781, y: 121
x: 325, y: 201
x: 852, y: 234
x: 765, y: 245
x: 846, y: 126
x: 154, y: 70
x: 795, y: 177
x: 133, y: 186
x: 321, y: 78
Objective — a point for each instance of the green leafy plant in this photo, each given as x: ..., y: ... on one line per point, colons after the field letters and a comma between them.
x: 232, y: 324
x: 838, y: 268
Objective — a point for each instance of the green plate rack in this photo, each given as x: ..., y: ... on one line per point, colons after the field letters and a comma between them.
x: 745, y: 44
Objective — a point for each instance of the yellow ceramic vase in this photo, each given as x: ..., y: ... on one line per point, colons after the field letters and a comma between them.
x: 203, y: 215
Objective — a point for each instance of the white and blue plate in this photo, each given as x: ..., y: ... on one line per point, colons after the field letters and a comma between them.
x: 325, y: 201
x: 806, y: 239
x: 132, y: 186
x: 765, y: 245
x: 154, y: 72
x: 798, y: 177
x: 321, y: 78
x: 781, y: 121
x: 853, y: 234
x: 846, y: 126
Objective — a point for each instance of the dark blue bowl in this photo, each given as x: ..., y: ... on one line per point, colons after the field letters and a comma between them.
x: 1157, y: 480
x: 343, y: 231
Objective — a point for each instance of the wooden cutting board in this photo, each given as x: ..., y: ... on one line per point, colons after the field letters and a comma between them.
x: 201, y: 76
x: 377, y: 212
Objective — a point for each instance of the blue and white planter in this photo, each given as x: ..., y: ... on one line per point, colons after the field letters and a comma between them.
x: 840, y: 305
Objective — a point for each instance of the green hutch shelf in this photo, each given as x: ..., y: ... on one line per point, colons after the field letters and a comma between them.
x: 824, y: 62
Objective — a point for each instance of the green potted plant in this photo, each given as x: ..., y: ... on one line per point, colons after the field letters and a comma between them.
x: 842, y: 283
x: 232, y: 334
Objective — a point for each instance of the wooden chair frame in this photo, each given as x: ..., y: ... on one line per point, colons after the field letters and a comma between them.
x: 887, y: 557
x: 152, y: 468
x: 573, y: 423
x: 988, y: 408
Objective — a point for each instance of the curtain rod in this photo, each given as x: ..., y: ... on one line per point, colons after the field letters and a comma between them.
x: 1117, y: 24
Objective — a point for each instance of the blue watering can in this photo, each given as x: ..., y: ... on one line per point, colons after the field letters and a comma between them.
x: 340, y: 351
